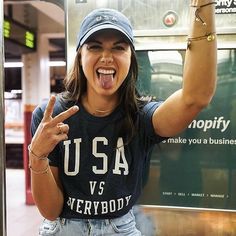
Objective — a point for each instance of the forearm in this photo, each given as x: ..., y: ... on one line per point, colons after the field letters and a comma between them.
x: 46, y: 186
x: 200, y: 69
x: 46, y: 193
x: 199, y: 75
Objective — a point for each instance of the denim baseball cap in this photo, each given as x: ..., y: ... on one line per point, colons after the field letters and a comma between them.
x: 104, y: 18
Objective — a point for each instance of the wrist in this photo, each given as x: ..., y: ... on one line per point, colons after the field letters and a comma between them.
x: 35, y: 155
x: 202, y: 14
x: 41, y: 170
x: 38, y: 164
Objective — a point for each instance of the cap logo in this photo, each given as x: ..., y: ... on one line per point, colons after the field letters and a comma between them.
x: 106, y: 18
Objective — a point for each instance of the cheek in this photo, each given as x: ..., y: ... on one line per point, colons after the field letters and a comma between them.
x: 126, y: 66
x: 86, y: 64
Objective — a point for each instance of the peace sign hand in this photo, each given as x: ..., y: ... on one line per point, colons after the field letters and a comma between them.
x: 51, y: 130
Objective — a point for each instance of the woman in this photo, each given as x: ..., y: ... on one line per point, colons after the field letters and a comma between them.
x: 90, y: 143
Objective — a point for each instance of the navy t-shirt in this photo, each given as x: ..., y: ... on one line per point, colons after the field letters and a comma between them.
x: 100, y: 174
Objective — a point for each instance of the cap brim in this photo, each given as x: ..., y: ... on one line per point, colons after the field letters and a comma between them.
x: 103, y: 27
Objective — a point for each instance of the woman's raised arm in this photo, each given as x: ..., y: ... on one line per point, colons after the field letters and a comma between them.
x: 199, y: 75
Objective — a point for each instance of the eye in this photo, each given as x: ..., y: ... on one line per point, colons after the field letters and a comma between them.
x: 94, y: 47
x: 119, y: 48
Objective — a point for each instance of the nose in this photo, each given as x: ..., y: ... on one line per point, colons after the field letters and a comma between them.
x: 106, y: 57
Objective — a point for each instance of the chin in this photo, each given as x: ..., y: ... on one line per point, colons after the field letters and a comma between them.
x: 108, y: 92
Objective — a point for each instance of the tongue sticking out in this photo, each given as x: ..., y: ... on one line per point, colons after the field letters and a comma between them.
x: 106, y: 80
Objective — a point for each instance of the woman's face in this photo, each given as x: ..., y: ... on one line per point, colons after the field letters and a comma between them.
x: 105, y: 60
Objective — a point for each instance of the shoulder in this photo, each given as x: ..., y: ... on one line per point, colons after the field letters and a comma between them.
x: 149, y: 107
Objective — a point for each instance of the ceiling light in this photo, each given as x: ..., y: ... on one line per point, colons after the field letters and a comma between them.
x: 21, y: 64
x: 57, y: 63
x: 13, y: 64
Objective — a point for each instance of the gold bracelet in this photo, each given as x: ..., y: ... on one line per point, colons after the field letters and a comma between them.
x: 45, y: 171
x: 209, y: 37
x: 198, y: 8
x: 44, y: 157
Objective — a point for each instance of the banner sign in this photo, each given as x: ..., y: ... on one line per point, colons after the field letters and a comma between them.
x: 225, y: 6
x: 198, y: 167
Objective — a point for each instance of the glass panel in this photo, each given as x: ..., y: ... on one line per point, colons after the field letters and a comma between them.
x: 196, y: 169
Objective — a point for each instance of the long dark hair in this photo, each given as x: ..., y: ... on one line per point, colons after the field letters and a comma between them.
x: 76, y: 85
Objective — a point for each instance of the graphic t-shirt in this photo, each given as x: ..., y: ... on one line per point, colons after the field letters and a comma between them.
x: 101, y: 175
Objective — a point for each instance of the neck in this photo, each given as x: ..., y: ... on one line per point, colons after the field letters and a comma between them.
x: 103, y: 108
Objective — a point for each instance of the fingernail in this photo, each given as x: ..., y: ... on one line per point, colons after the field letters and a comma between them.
x: 75, y: 108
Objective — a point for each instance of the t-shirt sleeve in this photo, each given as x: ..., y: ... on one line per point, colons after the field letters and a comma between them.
x: 146, y: 121
x: 37, y: 116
